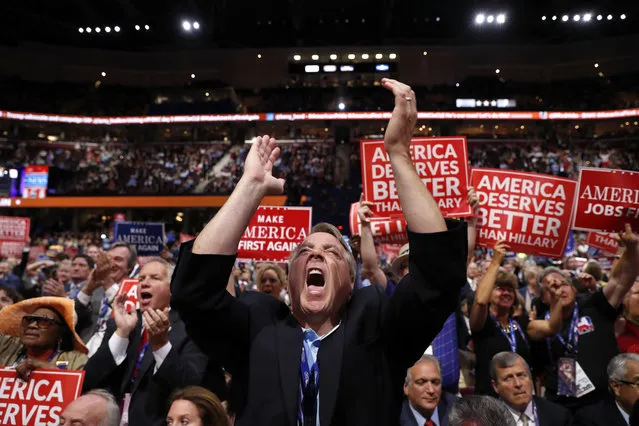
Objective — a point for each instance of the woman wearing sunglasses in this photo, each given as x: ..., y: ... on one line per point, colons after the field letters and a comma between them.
x: 39, y: 333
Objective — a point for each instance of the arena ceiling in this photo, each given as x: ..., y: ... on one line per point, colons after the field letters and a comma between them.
x: 297, y: 23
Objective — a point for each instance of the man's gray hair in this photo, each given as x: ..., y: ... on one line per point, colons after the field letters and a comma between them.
x: 112, y: 416
x: 483, y: 410
x: 505, y: 360
x: 547, y: 271
x: 425, y: 358
x: 617, y: 367
x: 170, y: 268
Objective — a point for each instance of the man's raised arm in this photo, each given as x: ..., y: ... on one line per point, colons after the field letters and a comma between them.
x: 223, y: 233
x: 419, y: 207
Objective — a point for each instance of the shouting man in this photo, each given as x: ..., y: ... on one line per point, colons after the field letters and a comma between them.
x: 337, y: 357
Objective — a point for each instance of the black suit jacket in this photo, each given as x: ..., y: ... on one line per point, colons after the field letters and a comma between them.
x: 603, y: 413
x: 551, y: 414
x: 184, y: 365
x: 447, y: 400
x: 362, y: 364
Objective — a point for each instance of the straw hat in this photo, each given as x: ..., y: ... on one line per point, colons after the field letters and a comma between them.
x: 403, y: 254
x: 11, y: 316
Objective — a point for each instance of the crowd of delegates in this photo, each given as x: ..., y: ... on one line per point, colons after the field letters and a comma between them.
x: 543, y: 337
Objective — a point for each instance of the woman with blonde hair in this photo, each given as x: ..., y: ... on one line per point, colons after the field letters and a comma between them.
x: 271, y: 279
x: 196, y: 406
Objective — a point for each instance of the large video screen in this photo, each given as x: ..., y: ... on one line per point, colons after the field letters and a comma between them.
x: 24, y: 182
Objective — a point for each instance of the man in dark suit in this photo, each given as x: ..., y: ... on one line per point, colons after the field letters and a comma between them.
x: 425, y: 402
x: 623, y: 376
x: 338, y: 356
x: 147, y: 354
x: 513, y: 383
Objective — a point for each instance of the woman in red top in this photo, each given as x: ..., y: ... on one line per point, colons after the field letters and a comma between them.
x: 628, y: 340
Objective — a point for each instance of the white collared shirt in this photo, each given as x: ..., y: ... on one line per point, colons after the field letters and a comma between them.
x: 421, y: 420
x: 119, y: 345
x: 529, y: 412
x: 625, y: 415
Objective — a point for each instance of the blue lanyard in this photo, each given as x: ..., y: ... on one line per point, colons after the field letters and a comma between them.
x: 138, y: 363
x: 534, y: 406
x: 512, y: 339
x: 573, y: 336
x: 305, y: 367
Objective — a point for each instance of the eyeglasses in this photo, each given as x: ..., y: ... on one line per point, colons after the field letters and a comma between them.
x: 41, y: 322
x: 634, y: 385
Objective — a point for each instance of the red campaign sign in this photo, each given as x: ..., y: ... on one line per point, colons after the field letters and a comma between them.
x: 35, y: 251
x: 11, y: 248
x: 391, y: 250
x: 441, y: 164
x: 14, y: 228
x: 603, y: 241
x: 274, y: 232
x: 129, y: 287
x: 41, y: 400
x: 530, y: 211
x: 606, y: 200
x: 385, y: 229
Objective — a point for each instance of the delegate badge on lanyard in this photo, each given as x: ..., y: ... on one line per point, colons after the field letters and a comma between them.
x: 567, y: 376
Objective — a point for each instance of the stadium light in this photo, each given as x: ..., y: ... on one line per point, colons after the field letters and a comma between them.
x: 378, y: 56
x: 351, y: 56
x: 297, y: 57
x: 80, y: 30
x: 623, y: 16
x: 315, y: 57
x: 564, y: 18
x: 103, y: 74
x: 392, y: 56
x: 97, y: 29
x: 365, y: 56
x: 596, y: 65
x: 259, y: 56
x: 480, y: 18
x: 609, y: 17
x: 107, y: 29
x: 196, y: 25
x: 186, y: 26
x: 576, y: 18
x: 117, y: 29
x: 341, y: 106
x: 456, y: 84
x: 599, y: 17
x: 497, y: 71
x: 490, y: 19
x: 587, y: 17
x: 88, y: 29
x: 207, y: 94
x: 543, y: 18
x: 333, y: 57
x: 192, y: 75
x: 554, y: 17
x: 137, y: 28
x: 146, y: 27
x: 501, y: 18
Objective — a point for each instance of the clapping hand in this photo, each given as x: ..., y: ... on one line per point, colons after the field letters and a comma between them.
x: 157, y: 324
x: 125, y: 321
x: 402, y: 123
x: 364, y: 210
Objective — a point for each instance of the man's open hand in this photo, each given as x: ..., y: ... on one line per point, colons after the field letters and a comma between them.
x: 258, y: 167
x: 402, y: 123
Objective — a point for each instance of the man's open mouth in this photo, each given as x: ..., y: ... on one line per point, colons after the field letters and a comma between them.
x: 145, y: 296
x: 315, y: 277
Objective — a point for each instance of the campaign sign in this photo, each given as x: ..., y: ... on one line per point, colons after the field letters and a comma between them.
x: 14, y: 228
x: 274, y: 232
x: 35, y: 181
x: 129, y: 286
x: 147, y: 237
x: 603, y: 241
x: 606, y: 200
x: 39, y: 401
x: 531, y: 212
x: 441, y: 164
x: 11, y: 248
x: 385, y: 229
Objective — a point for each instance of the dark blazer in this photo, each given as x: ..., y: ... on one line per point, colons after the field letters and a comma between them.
x: 362, y: 364
x: 443, y: 408
x: 603, y: 413
x: 88, y: 315
x: 551, y: 414
x: 185, y: 365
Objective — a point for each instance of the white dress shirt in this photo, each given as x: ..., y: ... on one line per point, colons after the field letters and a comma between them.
x: 96, y: 340
x: 421, y: 420
x: 625, y: 415
x: 529, y: 413
x: 119, y: 345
